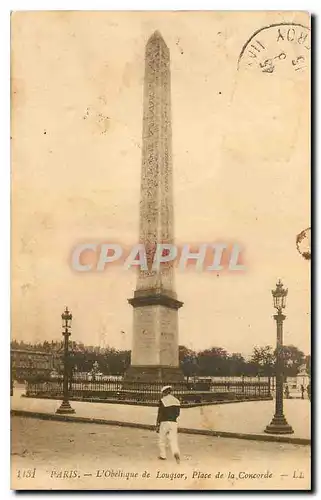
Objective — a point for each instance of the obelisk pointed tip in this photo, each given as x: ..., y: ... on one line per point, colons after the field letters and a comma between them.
x: 156, y: 37
x: 157, y: 34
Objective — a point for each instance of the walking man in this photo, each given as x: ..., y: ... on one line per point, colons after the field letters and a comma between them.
x: 166, y: 425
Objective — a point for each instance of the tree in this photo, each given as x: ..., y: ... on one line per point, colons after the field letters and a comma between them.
x: 308, y: 363
x: 263, y: 358
x: 45, y: 346
x: 293, y: 358
x: 236, y: 364
x: 188, y: 361
x: 184, y: 352
x: 213, y: 361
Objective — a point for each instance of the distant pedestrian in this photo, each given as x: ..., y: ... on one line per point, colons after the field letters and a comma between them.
x: 309, y: 391
x: 166, y: 425
x: 302, y: 391
x: 287, y: 392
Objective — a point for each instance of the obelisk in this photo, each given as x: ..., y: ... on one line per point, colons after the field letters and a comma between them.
x: 155, y: 336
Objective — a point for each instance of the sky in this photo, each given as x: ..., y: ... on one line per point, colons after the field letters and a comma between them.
x: 241, y: 165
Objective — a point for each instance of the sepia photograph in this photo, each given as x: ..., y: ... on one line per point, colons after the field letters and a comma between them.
x: 160, y: 250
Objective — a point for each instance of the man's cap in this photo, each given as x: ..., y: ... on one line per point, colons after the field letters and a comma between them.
x: 166, y: 387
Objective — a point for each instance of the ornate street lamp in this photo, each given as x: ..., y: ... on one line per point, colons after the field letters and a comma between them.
x: 66, y: 324
x: 279, y: 424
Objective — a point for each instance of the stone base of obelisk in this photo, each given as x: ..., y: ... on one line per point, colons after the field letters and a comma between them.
x: 150, y: 374
x: 155, y: 338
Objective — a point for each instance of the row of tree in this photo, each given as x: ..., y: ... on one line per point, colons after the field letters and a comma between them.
x: 218, y: 362
x: 215, y: 361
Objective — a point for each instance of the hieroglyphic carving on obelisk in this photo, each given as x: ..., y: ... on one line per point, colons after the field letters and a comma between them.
x: 155, y: 336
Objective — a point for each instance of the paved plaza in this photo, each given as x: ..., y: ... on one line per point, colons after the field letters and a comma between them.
x: 94, y: 456
x: 243, y: 418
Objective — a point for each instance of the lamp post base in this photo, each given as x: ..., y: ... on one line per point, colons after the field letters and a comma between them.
x: 65, y: 408
x: 279, y: 425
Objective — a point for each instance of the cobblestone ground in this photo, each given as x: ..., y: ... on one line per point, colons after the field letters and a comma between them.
x: 95, y: 456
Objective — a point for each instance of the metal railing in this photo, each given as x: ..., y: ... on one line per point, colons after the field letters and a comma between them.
x: 126, y: 390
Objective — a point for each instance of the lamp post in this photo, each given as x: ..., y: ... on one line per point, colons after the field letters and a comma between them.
x: 66, y: 324
x: 11, y: 374
x: 279, y: 424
